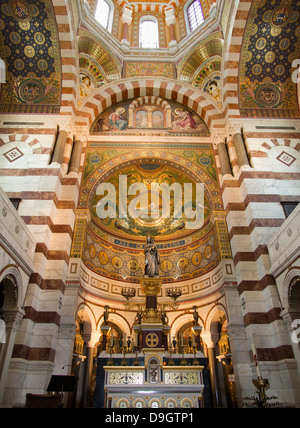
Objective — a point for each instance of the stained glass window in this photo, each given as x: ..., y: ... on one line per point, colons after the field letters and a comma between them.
x: 195, y: 14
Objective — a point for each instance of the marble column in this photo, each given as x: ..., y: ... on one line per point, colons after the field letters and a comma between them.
x: 126, y: 20
x: 210, y: 340
x: 13, y: 321
x: 90, y: 344
x: 224, y: 159
x: 240, y: 149
x: 59, y: 148
x: 238, y: 342
x: 76, y: 156
x: 171, y: 21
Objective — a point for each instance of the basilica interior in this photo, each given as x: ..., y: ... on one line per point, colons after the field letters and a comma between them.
x: 107, y: 94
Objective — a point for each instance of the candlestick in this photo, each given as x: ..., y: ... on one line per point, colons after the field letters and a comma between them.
x: 256, y: 361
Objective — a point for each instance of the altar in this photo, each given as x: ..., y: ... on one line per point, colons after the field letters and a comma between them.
x: 154, y: 385
x: 152, y: 371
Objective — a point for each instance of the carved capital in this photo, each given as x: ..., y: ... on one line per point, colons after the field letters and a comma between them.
x: 127, y: 15
x: 170, y: 16
x: 234, y: 128
x: 13, y: 319
x: 209, y: 338
x: 218, y: 136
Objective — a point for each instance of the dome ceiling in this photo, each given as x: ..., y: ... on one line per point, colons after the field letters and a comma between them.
x: 91, y: 47
x: 199, y: 55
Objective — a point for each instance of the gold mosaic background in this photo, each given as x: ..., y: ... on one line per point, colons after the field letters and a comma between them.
x: 110, y: 252
x: 29, y: 45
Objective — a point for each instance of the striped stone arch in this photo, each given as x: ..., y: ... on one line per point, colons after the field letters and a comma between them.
x: 283, y: 142
x: 25, y: 139
x: 168, y: 89
x: 157, y: 101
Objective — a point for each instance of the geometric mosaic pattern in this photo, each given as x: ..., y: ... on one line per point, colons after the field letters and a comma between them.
x: 271, y: 43
x: 286, y: 158
x: 29, y: 46
x: 13, y: 155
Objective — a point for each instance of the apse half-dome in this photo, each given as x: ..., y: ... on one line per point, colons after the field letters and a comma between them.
x: 157, y: 202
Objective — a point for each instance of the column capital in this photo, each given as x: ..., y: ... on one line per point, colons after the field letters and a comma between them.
x: 126, y: 17
x: 210, y: 338
x: 92, y: 338
x: 218, y: 136
x: 13, y: 318
x: 289, y: 315
x: 80, y: 133
x: 65, y: 125
x: 170, y: 15
x: 169, y: 10
x: 234, y: 127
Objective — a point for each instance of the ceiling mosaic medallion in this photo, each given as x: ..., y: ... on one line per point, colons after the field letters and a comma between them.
x: 271, y: 44
x: 29, y: 45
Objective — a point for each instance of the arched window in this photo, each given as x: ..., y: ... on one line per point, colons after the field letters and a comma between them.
x: 104, y: 13
x: 194, y: 14
x: 149, y: 32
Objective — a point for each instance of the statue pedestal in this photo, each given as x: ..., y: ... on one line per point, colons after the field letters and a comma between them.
x: 151, y: 286
x: 151, y: 326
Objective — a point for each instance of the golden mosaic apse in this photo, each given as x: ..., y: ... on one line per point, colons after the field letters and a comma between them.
x: 114, y: 247
x: 147, y: 213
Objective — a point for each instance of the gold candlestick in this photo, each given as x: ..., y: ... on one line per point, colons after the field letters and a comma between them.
x: 261, y: 385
